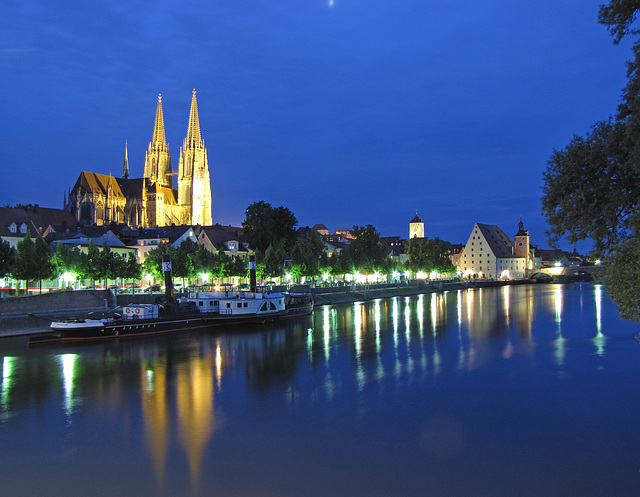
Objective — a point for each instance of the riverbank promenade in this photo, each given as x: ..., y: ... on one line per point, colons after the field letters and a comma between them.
x: 34, y: 314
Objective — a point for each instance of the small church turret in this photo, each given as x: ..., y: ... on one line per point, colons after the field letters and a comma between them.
x: 125, y: 166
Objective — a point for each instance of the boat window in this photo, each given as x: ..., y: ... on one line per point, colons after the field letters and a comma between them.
x: 263, y: 307
x: 271, y: 306
x: 239, y: 305
x: 228, y: 305
x: 201, y: 303
x: 245, y: 304
x: 210, y: 302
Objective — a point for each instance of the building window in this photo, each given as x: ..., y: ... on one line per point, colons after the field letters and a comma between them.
x: 23, y: 228
x: 13, y: 227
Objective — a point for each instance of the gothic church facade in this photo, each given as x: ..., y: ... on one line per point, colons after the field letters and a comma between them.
x: 150, y: 201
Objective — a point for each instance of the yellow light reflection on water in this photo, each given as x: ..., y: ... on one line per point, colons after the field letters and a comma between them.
x: 434, y: 312
x: 600, y: 339
x: 359, y: 321
x: 327, y: 333
x: 557, y: 300
x: 506, y: 294
x: 68, y: 375
x: 310, y: 344
x: 196, y: 415
x: 421, y: 315
x: 357, y: 326
x: 155, y: 410
x: 8, y: 366
x: 218, y: 365
x: 377, y: 318
x: 560, y: 349
x: 461, y: 352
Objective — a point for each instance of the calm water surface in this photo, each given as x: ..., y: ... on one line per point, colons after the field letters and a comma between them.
x: 518, y: 391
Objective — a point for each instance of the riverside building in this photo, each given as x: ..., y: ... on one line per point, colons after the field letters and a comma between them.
x: 491, y: 254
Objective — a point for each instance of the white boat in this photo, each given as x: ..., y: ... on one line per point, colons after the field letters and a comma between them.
x: 227, y: 305
x: 79, y: 324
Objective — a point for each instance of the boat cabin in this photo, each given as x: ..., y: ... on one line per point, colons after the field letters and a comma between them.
x: 140, y: 311
x: 237, y: 302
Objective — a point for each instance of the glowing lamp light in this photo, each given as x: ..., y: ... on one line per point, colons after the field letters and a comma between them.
x: 395, y: 275
x: 557, y: 264
x: 288, y: 276
x: 68, y: 277
x: 434, y: 275
x: 407, y: 274
x: 420, y: 275
x: 325, y: 276
x: 204, y: 277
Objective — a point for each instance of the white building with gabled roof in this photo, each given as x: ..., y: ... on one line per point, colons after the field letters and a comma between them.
x: 491, y: 254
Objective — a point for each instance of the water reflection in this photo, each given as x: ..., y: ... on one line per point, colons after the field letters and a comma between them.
x: 353, y: 355
x: 600, y: 339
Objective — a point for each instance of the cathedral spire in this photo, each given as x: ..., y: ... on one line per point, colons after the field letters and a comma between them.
x: 159, y: 141
x: 125, y: 166
x: 193, y: 133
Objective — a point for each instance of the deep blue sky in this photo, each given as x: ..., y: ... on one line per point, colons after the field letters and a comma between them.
x: 348, y: 112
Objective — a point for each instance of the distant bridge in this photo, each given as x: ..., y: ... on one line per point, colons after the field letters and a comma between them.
x: 561, y: 273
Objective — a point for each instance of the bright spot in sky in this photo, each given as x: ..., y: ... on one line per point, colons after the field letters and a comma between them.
x: 330, y: 3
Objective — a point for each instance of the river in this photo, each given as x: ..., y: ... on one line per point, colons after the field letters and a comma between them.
x: 528, y: 390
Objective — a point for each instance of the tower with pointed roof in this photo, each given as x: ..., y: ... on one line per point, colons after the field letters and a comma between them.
x: 157, y: 163
x: 522, y: 246
x: 125, y: 165
x: 194, y: 187
x: 416, y: 227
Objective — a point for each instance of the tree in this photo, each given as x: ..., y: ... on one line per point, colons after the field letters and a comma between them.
x: 7, y: 257
x: 308, y: 255
x: 578, y: 185
x: 131, y: 269
x: 90, y: 264
x: 428, y: 255
x: 365, y: 250
x: 592, y: 186
x: 33, y: 260
x: 265, y: 226
x: 67, y: 259
x: 274, y: 259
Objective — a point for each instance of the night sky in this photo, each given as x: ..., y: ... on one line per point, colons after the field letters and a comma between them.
x: 348, y: 112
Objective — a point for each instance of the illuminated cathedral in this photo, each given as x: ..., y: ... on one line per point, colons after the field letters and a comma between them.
x: 150, y: 201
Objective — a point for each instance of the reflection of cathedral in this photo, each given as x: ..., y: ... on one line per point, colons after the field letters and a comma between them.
x: 98, y: 199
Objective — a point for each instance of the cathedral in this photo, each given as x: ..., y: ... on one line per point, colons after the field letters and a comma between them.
x: 151, y: 201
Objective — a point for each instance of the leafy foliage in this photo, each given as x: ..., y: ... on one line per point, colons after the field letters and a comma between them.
x: 578, y: 185
x: 592, y: 186
x: 7, y: 257
x: 428, y: 255
x: 365, y: 251
x: 265, y: 226
x: 308, y: 256
x: 33, y: 260
x: 623, y: 266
